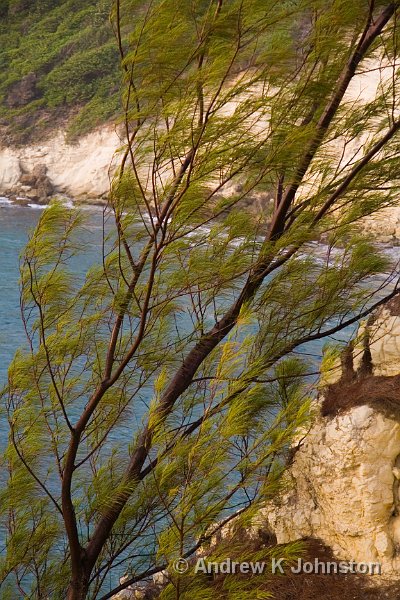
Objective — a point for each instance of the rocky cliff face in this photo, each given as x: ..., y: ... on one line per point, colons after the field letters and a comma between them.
x: 344, y: 488
x: 81, y: 171
x: 343, y: 485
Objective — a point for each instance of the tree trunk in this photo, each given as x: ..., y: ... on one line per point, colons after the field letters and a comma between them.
x: 79, y: 586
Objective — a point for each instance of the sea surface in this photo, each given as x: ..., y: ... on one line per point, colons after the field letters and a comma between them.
x: 16, y: 222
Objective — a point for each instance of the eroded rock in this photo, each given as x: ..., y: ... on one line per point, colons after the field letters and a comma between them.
x: 78, y: 170
x: 376, y: 349
x: 28, y: 179
x: 343, y: 486
x: 35, y: 185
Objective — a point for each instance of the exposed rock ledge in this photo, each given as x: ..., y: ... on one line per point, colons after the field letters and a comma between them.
x: 80, y: 171
x: 343, y: 486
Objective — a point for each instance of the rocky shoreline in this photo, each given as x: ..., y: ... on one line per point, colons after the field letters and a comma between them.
x: 341, y: 496
x: 81, y: 171
x: 34, y: 186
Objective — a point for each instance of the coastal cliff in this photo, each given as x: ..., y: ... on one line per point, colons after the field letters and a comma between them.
x: 341, y: 496
x: 81, y: 170
x: 343, y: 485
x: 81, y: 167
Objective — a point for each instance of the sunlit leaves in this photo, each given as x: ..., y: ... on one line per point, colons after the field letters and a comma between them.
x: 168, y: 376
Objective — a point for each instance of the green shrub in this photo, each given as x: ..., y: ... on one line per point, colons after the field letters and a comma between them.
x: 77, y: 79
x: 70, y: 47
x: 3, y: 8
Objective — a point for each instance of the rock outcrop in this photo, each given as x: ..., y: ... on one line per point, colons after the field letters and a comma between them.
x: 143, y: 591
x: 384, y: 225
x: 375, y: 350
x: 80, y: 171
x: 343, y: 486
x: 34, y: 186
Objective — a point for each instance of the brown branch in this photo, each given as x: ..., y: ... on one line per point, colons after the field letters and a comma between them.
x: 208, y: 342
x: 357, y: 169
x: 204, y: 538
x: 371, y: 32
x: 30, y: 470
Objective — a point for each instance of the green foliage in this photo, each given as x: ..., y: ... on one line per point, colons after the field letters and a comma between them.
x: 70, y: 47
x: 4, y: 6
x: 160, y: 397
x: 76, y: 80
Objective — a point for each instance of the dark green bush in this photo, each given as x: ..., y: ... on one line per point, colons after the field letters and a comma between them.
x: 70, y: 47
x: 3, y: 8
x: 78, y: 78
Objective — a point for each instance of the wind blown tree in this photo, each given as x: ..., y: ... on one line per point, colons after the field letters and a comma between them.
x: 158, y: 398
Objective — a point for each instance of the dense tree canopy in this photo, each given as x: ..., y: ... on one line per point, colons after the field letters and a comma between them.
x: 58, y: 60
x: 160, y: 396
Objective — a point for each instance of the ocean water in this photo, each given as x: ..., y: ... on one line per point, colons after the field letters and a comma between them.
x: 16, y: 222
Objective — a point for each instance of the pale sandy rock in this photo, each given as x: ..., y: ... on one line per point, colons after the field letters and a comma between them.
x: 385, y: 344
x: 10, y: 170
x: 395, y: 530
x: 124, y: 595
x: 130, y: 594
x: 80, y: 170
x: 384, y: 225
x: 333, y: 375
x: 381, y: 336
x: 143, y: 591
x: 161, y: 579
x: 342, y: 488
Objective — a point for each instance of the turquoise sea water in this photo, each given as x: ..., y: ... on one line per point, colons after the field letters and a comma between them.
x: 15, y: 224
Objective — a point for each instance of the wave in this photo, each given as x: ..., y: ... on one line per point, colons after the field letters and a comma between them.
x: 21, y: 202
x: 68, y: 204
x: 38, y: 206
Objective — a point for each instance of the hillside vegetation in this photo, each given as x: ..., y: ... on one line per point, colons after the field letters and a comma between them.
x: 58, y: 63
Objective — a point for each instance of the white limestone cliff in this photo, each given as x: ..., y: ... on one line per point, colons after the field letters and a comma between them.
x: 343, y: 485
x: 80, y: 171
x: 343, y: 489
